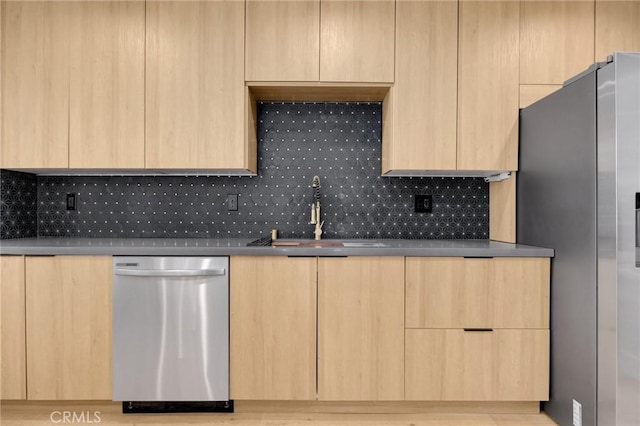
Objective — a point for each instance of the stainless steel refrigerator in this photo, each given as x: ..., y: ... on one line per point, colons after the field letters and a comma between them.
x: 577, y: 192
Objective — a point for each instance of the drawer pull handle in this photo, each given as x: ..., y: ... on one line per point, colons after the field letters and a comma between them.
x: 479, y: 330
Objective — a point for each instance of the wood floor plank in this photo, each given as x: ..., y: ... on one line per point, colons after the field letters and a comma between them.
x: 39, y: 413
x: 522, y: 419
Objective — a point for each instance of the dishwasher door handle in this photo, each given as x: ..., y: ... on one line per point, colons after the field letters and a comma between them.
x: 171, y: 272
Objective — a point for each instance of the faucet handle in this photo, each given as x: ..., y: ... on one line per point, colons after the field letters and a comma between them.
x: 313, y: 215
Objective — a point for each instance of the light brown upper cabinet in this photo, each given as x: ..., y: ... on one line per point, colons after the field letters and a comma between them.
x: 13, y: 373
x: 106, y: 93
x: 361, y: 329
x: 283, y: 40
x: 556, y: 40
x: 68, y: 305
x: 273, y: 328
x: 423, y: 101
x: 313, y: 40
x: 357, y: 40
x: 35, y: 84
x: 488, y: 87
x: 73, y: 85
x: 195, y: 94
x: 617, y: 27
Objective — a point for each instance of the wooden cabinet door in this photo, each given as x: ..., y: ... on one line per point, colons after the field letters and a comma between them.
x: 445, y: 292
x: 617, y: 27
x: 195, y: 94
x: 68, y: 304
x: 106, y: 123
x: 556, y: 40
x: 488, y: 85
x: 361, y: 329
x: 35, y: 85
x: 425, y: 91
x: 283, y: 40
x: 459, y: 365
x: 272, y: 328
x: 357, y: 40
x: 13, y: 375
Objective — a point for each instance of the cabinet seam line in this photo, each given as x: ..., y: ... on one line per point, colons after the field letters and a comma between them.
x: 317, y: 319
x: 319, y: 38
x: 144, y: 92
x: 459, y: 15
x: 26, y: 354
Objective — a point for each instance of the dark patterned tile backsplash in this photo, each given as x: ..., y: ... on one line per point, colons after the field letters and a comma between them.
x: 17, y: 205
x: 339, y: 142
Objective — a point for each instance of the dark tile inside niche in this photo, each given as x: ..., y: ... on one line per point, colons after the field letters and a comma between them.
x: 339, y: 142
x: 17, y: 205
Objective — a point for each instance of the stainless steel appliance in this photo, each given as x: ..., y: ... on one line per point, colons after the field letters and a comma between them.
x: 170, y: 328
x: 637, y: 222
x: 577, y: 190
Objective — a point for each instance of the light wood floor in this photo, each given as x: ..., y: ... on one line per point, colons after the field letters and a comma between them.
x: 23, y: 414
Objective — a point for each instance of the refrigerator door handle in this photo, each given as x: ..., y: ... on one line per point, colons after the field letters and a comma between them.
x: 637, y: 223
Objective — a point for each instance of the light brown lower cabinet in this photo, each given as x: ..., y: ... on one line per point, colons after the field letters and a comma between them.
x: 356, y: 307
x: 13, y: 383
x: 459, y: 365
x: 68, y: 328
x: 361, y: 329
x: 272, y: 328
x: 456, y: 292
x: 279, y: 306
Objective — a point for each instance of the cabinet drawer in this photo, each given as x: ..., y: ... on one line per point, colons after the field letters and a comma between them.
x: 492, y: 293
x: 459, y: 365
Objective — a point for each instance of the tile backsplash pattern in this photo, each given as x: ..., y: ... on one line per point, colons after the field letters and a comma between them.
x: 339, y: 142
x: 18, y: 205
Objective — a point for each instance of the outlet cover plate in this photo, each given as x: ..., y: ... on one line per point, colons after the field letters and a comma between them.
x: 232, y: 202
x: 577, y: 413
x: 424, y: 203
x: 71, y: 201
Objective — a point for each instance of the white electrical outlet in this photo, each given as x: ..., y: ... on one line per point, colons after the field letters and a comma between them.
x: 577, y: 413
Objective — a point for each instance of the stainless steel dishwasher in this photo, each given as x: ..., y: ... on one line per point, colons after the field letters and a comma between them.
x: 170, y: 329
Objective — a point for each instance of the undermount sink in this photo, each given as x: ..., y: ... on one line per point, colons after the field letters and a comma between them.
x: 329, y: 243
x: 362, y: 244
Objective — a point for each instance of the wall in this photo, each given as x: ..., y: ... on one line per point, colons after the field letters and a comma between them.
x: 339, y: 142
x: 17, y: 205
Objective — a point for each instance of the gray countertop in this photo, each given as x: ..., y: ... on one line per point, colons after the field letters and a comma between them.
x: 237, y: 246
